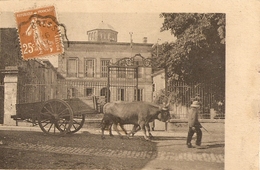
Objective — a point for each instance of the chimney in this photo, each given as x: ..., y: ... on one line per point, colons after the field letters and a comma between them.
x: 145, y: 40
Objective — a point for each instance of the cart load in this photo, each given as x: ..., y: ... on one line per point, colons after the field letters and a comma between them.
x: 56, y: 116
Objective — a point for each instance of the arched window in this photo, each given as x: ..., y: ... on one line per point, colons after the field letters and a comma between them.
x: 103, y: 91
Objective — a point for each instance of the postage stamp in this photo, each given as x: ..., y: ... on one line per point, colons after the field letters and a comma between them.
x: 39, y: 32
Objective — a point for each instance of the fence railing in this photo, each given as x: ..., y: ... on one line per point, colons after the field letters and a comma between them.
x: 210, y: 107
x: 65, y: 89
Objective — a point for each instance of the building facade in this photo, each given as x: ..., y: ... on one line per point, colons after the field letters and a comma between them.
x: 158, y: 82
x: 85, y: 66
x: 22, y: 81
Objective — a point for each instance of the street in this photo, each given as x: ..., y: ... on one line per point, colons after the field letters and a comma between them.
x: 32, y: 149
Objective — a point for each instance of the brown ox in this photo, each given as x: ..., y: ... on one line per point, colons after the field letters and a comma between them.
x: 107, y: 122
x: 136, y: 113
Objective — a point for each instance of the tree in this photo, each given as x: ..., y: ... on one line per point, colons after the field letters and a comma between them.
x: 198, y: 54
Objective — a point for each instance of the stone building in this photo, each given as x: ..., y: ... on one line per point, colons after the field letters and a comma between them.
x: 85, y: 66
x: 22, y: 81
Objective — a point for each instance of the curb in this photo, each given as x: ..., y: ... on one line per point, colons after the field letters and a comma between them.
x: 20, y: 128
x: 91, y: 130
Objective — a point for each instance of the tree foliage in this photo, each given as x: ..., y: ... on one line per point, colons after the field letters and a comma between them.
x: 198, y: 54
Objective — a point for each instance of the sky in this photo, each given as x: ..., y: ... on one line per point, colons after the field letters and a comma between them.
x: 141, y: 24
x: 78, y: 22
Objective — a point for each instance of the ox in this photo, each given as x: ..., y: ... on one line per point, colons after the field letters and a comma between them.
x: 136, y: 113
x: 107, y: 122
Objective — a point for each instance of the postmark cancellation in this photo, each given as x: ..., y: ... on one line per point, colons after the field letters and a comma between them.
x: 39, y: 32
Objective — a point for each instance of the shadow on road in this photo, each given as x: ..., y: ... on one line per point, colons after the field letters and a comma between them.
x: 161, y: 138
x: 216, y: 146
x: 110, y: 153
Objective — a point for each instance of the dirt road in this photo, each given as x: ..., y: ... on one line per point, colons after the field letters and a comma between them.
x: 86, y: 150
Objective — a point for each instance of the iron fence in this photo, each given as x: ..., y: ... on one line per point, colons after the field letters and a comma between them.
x: 122, y: 83
x: 185, y: 94
x: 65, y: 89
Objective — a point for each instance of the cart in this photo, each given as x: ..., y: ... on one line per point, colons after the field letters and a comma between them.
x: 57, y: 116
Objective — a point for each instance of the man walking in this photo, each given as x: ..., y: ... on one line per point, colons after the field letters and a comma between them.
x: 194, y: 124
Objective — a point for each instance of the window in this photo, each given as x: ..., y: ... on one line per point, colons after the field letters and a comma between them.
x: 71, y: 92
x: 130, y: 72
x: 138, y: 96
x: 140, y: 72
x: 112, y: 37
x: 72, y: 70
x: 140, y: 68
x: 121, y: 94
x: 105, y: 94
x: 103, y: 91
x: 89, y: 91
x: 104, y: 69
x: 89, y: 68
x: 121, y: 72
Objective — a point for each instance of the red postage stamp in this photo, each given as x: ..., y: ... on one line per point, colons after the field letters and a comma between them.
x: 39, y: 32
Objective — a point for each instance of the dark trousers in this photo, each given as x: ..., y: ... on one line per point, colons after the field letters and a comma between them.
x: 191, y: 133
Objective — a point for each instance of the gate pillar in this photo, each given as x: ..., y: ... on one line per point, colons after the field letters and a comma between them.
x: 10, y: 94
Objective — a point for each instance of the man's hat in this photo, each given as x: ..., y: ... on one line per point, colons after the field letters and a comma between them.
x: 195, y: 104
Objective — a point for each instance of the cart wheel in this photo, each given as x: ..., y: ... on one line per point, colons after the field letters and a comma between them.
x: 77, y: 123
x: 56, y: 117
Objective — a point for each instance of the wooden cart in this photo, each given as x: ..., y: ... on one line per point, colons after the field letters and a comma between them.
x: 56, y: 116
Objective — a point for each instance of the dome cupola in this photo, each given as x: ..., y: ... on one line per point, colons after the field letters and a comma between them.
x: 103, y: 33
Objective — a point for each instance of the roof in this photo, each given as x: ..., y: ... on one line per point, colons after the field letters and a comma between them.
x: 108, y: 43
x: 46, y: 61
x: 104, y: 25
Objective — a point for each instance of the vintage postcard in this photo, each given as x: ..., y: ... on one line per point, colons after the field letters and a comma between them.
x: 129, y: 85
